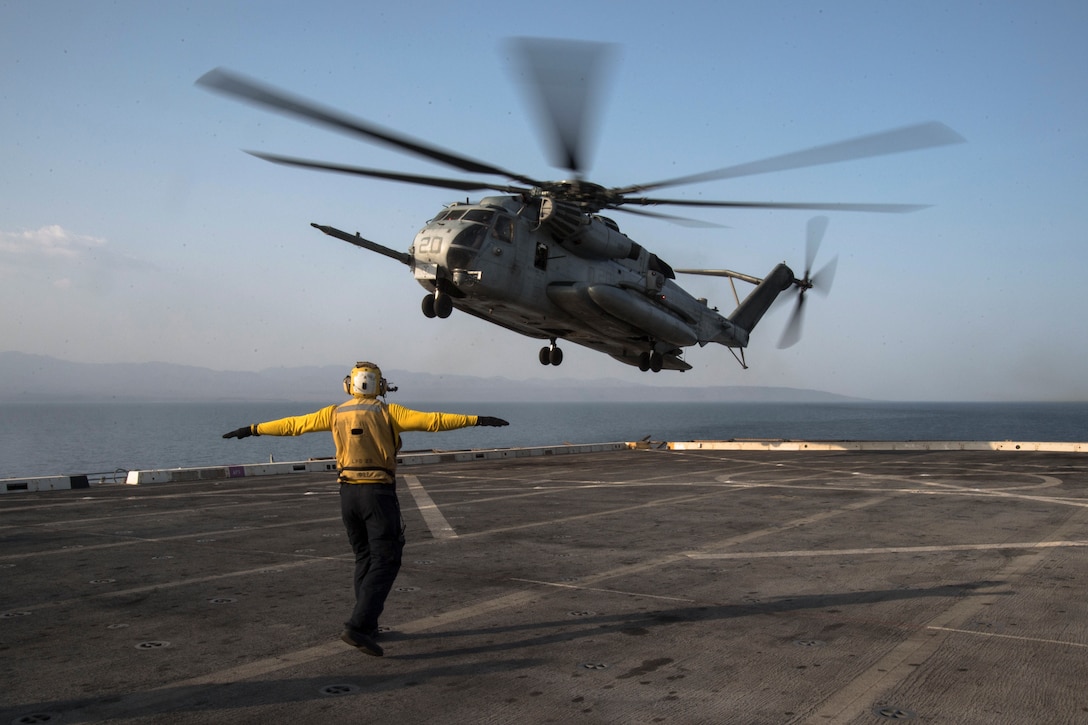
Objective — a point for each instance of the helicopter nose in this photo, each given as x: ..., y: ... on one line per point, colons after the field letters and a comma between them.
x: 430, y: 246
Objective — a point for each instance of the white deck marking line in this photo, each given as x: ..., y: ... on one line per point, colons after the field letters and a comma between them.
x: 436, y: 522
x: 1035, y: 640
x: 594, y: 514
x: 130, y: 540
x: 270, y: 569
x: 597, y: 589
x: 887, y: 550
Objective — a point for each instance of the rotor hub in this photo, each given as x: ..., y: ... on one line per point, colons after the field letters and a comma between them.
x: 586, y: 195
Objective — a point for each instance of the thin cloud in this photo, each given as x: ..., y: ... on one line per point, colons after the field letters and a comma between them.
x: 50, y: 242
x: 57, y: 251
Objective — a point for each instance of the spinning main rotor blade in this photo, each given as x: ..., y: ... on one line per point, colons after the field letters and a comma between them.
x: 908, y: 138
x: 812, y: 206
x: 245, y: 89
x: 442, y: 183
x: 566, y: 77
x: 566, y: 74
x: 680, y: 220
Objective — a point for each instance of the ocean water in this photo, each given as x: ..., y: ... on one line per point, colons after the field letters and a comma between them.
x: 72, y: 439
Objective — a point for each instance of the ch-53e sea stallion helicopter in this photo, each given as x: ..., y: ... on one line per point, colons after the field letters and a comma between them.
x: 542, y: 261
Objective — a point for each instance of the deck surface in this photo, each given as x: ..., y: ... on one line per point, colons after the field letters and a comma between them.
x: 636, y: 586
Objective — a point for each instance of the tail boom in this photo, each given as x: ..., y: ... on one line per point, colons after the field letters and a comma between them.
x: 755, y: 305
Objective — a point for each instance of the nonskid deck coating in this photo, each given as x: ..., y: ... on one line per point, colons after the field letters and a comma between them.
x: 682, y: 586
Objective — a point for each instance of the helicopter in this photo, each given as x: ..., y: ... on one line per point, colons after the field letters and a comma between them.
x: 541, y: 259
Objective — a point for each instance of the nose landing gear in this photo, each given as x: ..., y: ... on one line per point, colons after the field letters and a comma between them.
x: 551, y: 355
x: 439, y: 304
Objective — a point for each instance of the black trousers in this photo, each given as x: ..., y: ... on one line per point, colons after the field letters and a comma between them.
x: 371, y: 514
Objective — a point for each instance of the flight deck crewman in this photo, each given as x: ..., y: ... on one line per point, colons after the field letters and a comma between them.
x: 367, y: 431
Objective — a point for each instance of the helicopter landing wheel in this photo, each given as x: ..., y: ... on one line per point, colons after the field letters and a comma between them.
x: 443, y: 305
x: 651, y: 361
x: 551, y: 355
x: 428, y: 307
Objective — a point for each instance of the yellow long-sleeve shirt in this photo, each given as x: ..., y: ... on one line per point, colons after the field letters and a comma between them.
x: 370, y: 458
x: 404, y: 419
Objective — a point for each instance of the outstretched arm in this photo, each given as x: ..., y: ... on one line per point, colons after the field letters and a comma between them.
x: 406, y: 419
x: 293, y: 426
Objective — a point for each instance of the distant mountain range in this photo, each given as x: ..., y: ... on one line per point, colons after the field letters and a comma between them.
x: 39, y: 379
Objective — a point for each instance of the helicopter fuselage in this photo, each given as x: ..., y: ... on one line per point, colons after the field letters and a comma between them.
x: 548, y: 270
x: 543, y: 262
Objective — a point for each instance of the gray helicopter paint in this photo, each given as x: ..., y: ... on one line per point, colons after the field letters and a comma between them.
x: 564, y: 274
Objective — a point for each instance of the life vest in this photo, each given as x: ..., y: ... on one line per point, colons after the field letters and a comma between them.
x: 366, y: 444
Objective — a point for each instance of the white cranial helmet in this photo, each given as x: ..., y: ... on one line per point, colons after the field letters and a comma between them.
x: 365, y: 381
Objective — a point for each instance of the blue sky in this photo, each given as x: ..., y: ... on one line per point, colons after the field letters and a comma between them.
x: 133, y: 228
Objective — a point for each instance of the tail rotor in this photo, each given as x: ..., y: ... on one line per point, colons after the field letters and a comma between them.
x: 820, y: 281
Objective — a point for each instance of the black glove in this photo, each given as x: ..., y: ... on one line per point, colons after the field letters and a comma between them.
x: 240, y: 433
x: 490, y: 421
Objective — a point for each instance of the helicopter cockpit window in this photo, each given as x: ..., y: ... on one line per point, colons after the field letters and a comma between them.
x: 452, y: 214
x: 472, y: 237
x: 479, y: 215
